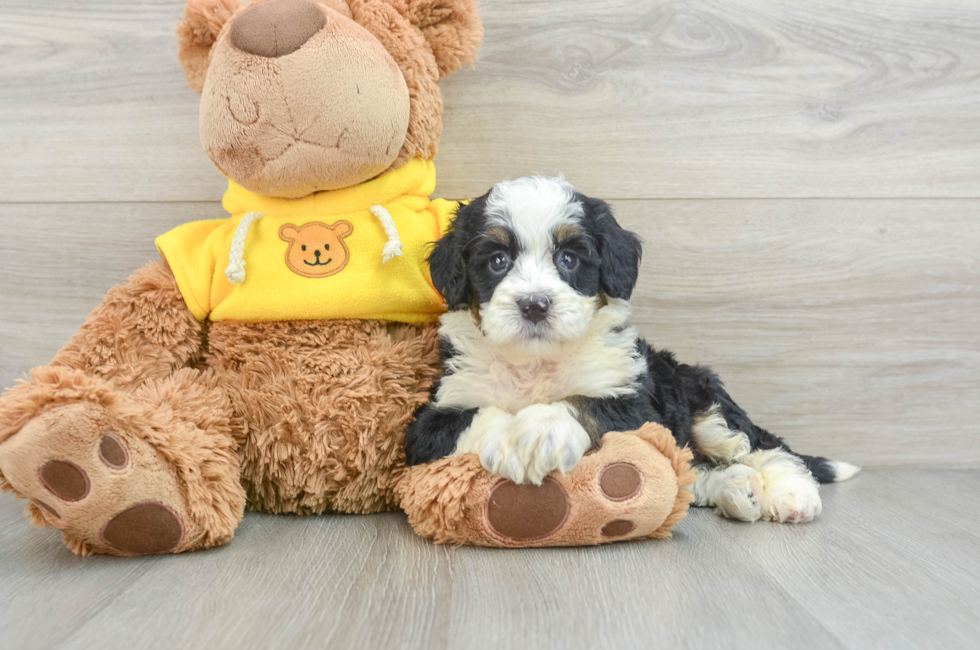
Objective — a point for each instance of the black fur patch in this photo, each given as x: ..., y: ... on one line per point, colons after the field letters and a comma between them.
x: 447, y: 262
x: 619, y: 249
x: 435, y: 433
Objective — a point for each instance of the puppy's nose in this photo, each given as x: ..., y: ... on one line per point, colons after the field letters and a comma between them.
x: 534, y: 308
x: 277, y: 27
x: 317, y: 253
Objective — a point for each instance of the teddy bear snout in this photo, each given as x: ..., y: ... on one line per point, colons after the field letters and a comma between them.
x: 277, y: 27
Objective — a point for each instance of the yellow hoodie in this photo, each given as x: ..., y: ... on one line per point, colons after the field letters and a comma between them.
x: 359, y: 252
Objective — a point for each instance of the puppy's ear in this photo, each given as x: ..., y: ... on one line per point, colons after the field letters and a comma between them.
x: 620, y: 251
x: 203, y: 21
x: 452, y: 28
x: 447, y: 262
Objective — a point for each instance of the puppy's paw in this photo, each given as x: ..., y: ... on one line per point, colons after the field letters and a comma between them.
x: 792, y: 504
x: 789, y: 494
x: 738, y: 494
x: 548, y: 438
x: 499, y: 454
x: 490, y: 436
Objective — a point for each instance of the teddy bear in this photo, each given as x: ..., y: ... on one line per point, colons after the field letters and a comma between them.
x: 272, y: 359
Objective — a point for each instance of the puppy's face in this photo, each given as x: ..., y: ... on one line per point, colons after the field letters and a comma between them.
x: 535, y: 259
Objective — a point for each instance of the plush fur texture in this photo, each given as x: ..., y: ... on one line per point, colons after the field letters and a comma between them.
x: 197, y: 33
x: 540, y: 360
x: 299, y: 417
x: 325, y: 405
x: 305, y: 417
x: 360, y: 97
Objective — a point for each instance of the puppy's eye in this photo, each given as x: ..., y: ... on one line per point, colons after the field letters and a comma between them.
x: 499, y: 263
x: 567, y: 261
x: 304, y: 247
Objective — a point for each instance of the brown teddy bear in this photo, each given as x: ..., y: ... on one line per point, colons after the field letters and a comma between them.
x: 273, y: 358
x: 242, y: 369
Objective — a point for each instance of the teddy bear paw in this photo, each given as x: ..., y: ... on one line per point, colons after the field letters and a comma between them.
x: 104, y: 487
x: 625, y: 490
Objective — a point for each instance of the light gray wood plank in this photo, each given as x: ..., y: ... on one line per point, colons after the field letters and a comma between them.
x: 46, y: 593
x: 368, y: 582
x: 626, y: 596
x: 876, y: 548
x: 847, y: 326
x: 876, y: 569
x: 638, y: 99
x: 59, y: 260
x: 287, y: 582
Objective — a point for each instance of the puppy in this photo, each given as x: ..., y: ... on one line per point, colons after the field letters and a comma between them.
x: 540, y: 360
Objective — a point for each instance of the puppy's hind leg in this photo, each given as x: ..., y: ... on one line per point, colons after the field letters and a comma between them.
x: 724, y: 483
x: 771, y: 484
x: 789, y: 493
x: 732, y: 491
x: 716, y: 441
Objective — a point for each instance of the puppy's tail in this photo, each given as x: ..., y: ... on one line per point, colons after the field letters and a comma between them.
x: 829, y: 471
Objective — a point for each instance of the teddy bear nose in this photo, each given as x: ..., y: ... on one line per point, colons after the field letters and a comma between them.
x: 277, y: 27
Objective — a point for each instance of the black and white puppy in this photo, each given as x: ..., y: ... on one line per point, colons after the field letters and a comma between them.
x: 541, y: 362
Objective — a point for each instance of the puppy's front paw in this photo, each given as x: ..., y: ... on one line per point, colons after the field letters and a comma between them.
x: 490, y: 436
x: 499, y: 455
x: 548, y: 438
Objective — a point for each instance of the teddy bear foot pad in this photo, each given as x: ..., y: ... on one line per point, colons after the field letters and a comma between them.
x: 525, y: 513
x: 104, y: 488
x: 634, y: 486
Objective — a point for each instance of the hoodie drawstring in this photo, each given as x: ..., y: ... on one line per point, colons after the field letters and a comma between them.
x: 393, y: 248
x: 236, y: 259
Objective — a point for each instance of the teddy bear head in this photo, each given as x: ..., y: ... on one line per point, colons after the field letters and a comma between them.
x: 299, y: 96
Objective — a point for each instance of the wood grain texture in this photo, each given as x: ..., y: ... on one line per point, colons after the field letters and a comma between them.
x: 847, y: 326
x: 631, y: 99
x: 873, y: 571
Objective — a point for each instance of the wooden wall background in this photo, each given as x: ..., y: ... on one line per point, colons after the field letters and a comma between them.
x: 805, y: 173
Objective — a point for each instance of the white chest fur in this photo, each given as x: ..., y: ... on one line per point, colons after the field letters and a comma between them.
x: 604, y: 363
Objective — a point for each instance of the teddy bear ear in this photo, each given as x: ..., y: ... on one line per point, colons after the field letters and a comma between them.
x: 342, y: 229
x: 288, y: 233
x: 203, y: 20
x: 452, y: 29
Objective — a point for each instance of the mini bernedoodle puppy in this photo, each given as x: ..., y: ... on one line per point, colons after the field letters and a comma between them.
x: 540, y: 360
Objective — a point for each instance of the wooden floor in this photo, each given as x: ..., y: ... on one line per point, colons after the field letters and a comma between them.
x: 894, y: 562
x: 806, y: 177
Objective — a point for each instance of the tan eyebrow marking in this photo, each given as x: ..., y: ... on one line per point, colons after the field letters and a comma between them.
x: 567, y: 231
x: 500, y: 235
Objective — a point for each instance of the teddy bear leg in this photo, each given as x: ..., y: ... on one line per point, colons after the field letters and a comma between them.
x: 143, y: 473
x: 636, y: 485
x: 142, y: 330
